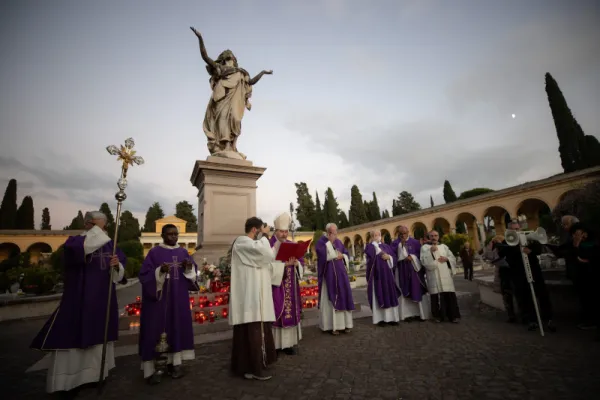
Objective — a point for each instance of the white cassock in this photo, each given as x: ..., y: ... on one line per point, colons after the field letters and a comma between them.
x: 253, y: 271
x: 288, y: 337
x: 439, y: 276
x: 407, y: 307
x: 329, y: 318
x: 390, y: 314
x: 75, y: 367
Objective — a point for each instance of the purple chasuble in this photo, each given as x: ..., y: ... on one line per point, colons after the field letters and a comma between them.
x: 335, y: 276
x: 381, y: 277
x: 412, y: 283
x: 168, y: 310
x: 78, y: 322
x: 283, y: 296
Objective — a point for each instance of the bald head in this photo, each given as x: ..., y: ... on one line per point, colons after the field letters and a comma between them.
x: 375, y: 235
x: 403, y: 232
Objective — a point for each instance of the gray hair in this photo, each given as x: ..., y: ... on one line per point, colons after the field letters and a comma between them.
x: 373, y: 232
x: 403, y: 227
x: 329, y: 226
x: 90, y: 215
x: 573, y: 219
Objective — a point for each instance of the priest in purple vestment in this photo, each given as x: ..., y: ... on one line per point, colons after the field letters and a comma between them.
x: 286, y: 297
x: 410, y: 277
x: 381, y: 288
x: 167, y: 276
x: 74, y: 334
x: 335, y: 295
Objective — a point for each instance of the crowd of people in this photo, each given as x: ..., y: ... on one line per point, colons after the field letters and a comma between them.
x: 407, y: 280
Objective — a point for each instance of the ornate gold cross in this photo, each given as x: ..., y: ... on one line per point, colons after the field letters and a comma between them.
x: 126, y: 154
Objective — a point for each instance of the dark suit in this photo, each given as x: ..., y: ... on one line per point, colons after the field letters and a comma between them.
x: 519, y: 278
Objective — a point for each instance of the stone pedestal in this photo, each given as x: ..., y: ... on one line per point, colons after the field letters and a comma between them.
x: 226, y: 199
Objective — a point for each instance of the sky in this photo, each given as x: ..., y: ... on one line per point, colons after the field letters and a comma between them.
x: 388, y: 95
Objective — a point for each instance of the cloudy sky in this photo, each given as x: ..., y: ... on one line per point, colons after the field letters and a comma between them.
x: 389, y: 95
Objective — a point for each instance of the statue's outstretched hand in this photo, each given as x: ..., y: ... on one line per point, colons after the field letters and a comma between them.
x: 269, y: 72
x: 196, y: 32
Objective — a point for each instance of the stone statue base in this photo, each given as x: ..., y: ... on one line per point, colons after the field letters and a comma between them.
x: 229, y: 154
x: 226, y: 199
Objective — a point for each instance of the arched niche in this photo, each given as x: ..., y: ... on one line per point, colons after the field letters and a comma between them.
x: 537, y: 213
x: 418, y: 230
x: 8, y: 250
x: 442, y: 225
x: 495, y: 220
x: 386, y: 236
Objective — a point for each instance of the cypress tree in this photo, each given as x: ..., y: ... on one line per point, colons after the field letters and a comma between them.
x: 332, y: 209
x: 25, y: 218
x: 431, y: 200
x: 77, y: 223
x: 46, y: 226
x: 8, y: 209
x: 154, y: 213
x: 305, y: 211
x: 319, y: 213
x: 449, y: 195
x: 374, y: 211
x: 570, y: 135
x: 357, y: 211
x: 110, y: 220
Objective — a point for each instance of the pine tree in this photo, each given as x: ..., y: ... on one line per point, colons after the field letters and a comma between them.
x: 332, y: 208
x: 357, y: 213
x: 344, y: 223
x: 46, y: 226
x: 25, y: 218
x: 154, y: 213
x: 110, y: 220
x: 405, y: 203
x: 185, y: 211
x: 129, y: 227
x: 77, y: 223
x: 8, y: 209
x: 374, y: 211
x: 449, y: 195
x: 431, y: 200
x: 319, y: 213
x: 305, y: 211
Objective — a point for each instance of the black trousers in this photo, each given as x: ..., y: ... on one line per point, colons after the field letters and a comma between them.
x: 444, y: 306
x: 525, y: 299
x: 585, y: 281
x: 507, y: 291
x: 468, y: 271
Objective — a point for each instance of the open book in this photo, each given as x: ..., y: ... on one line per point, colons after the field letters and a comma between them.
x: 289, y: 250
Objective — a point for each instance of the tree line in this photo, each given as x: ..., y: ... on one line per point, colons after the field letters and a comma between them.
x: 22, y: 217
x: 312, y: 215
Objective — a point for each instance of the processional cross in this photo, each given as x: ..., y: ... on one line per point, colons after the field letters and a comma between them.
x: 126, y: 155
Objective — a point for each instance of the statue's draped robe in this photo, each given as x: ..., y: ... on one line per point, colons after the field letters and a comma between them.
x: 410, y: 279
x: 166, y: 306
x: 231, y: 92
x: 335, y: 295
x: 74, y: 334
x: 251, y: 310
x: 381, y: 288
x: 444, y: 304
x: 287, y: 328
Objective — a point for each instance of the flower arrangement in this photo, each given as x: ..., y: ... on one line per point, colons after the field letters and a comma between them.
x: 352, y: 278
x: 211, y: 272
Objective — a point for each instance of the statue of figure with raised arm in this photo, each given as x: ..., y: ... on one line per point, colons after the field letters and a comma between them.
x: 231, y: 91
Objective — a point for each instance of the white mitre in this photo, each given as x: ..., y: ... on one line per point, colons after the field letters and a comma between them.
x: 283, y: 221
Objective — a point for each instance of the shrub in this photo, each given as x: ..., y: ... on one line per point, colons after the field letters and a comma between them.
x: 455, y: 241
x: 133, y: 249
x: 35, y: 280
x: 584, y: 203
x: 132, y: 269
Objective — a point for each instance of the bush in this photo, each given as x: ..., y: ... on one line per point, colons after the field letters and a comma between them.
x: 35, y: 280
x: 584, y: 203
x: 132, y: 269
x: 57, y: 261
x: 133, y: 249
x: 455, y: 241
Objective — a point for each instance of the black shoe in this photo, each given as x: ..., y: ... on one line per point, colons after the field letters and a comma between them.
x: 393, y: 323
x: 154, y: 379
x: 381, y: 323
x: 511, y: 320
x: 290, y: 351
x: 532, y: 327
x: 550, y: 327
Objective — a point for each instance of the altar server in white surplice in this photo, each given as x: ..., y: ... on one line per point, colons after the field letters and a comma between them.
x: 440, y: 264
x: 251, y: 312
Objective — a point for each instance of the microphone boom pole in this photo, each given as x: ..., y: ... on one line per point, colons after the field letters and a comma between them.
x: 126, y: 155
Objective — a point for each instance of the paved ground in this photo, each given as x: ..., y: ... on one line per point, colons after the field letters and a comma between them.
x: 482, y: 358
